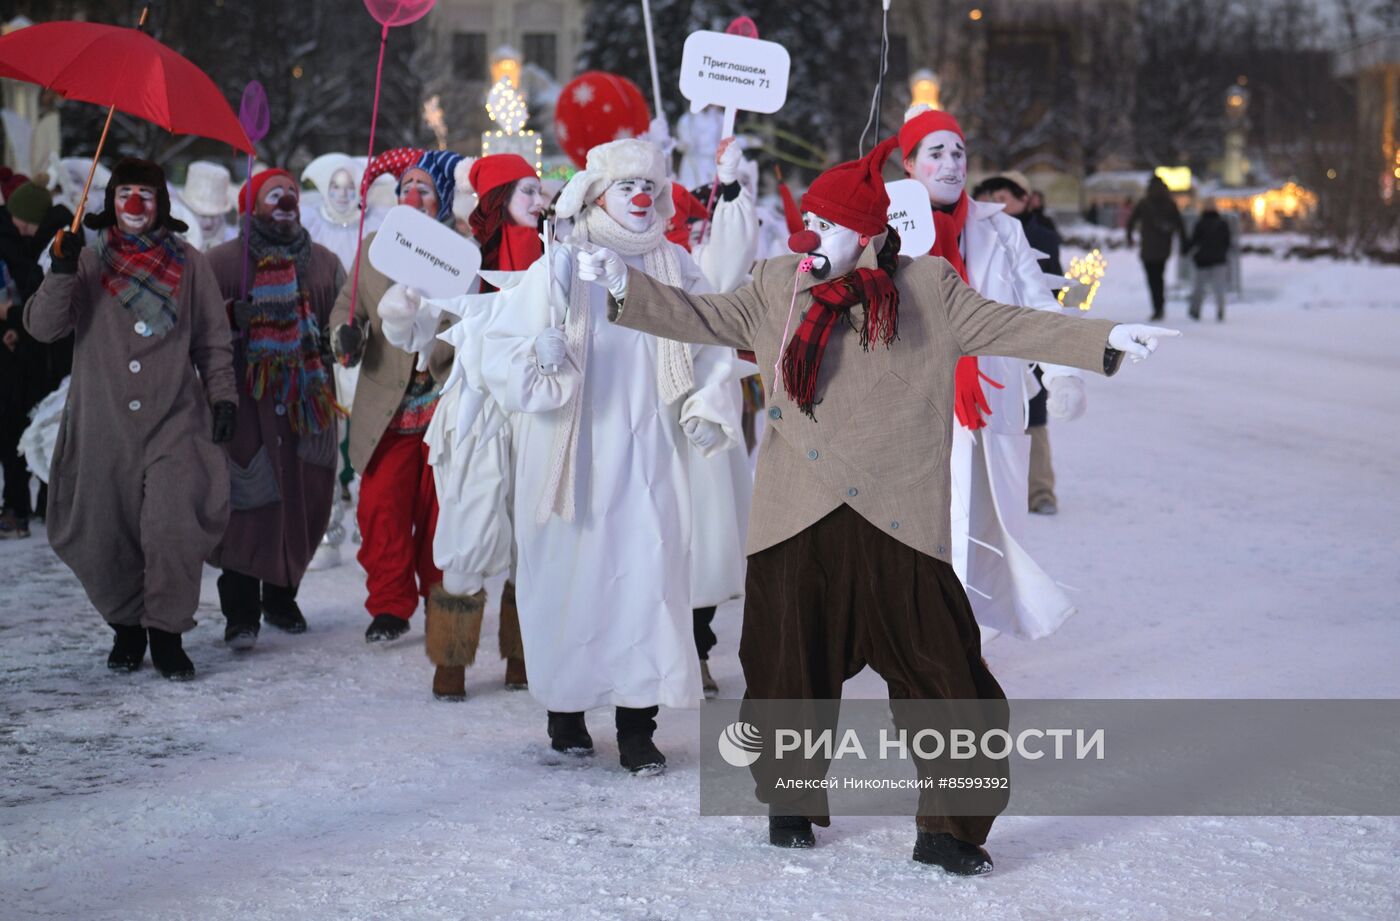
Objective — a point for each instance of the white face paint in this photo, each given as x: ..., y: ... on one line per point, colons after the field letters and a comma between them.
x: 940, y: 165
x: 136, y: 208
x: 211, y: 226
x: 341, y: 195
x: 632, y: 203
x: 840, y: 245
x: 526, y: 203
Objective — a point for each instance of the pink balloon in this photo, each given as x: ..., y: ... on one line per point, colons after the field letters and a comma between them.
x: 398, y: 12
x: 744, y: 26
x: 253, y: 113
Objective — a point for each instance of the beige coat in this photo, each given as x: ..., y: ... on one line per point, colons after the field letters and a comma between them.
x: 138, y: 491
x: 385, y: 369
x: 884, y: 418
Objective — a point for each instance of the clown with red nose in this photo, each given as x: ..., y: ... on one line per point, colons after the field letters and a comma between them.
x: 604, y: 421
x: 849, y: 542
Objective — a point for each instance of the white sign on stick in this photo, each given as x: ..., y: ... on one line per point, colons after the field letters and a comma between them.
x: 733, y: 72
x: 911, y: 214
x: 415, y: 250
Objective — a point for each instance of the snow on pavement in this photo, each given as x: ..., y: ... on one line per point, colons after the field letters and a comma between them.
x: 1227, y: 517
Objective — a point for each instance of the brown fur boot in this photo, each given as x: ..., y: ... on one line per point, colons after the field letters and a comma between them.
x: 453, y: 633
x: 512, y: 645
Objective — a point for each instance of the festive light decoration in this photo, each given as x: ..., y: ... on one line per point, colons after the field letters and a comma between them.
x: 1087, y: 271
x: 506, y: 106
x: 433, y: 118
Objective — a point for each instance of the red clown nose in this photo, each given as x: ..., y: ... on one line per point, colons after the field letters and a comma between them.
x: 412, y: 198
x: 804, y: 241
x: 641, y: 200
x: 134, y: 205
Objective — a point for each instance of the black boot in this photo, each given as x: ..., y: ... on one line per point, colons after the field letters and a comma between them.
x: 790, y: 831
x: 168, y: 656
x: 635, y: 749
x: 128, y: 649
x: 279, y: 608
x: 385, y: 627
x: 569, y: 734
x: 238, y: 597
x: 957, y: 857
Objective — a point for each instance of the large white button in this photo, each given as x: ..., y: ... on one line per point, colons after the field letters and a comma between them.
x: 280, y: 410
x: 141, y: 327
x: 135, y: 366
x: 134, y: 405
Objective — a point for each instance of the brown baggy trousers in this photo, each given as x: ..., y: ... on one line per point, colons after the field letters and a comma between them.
x: 842, y: 594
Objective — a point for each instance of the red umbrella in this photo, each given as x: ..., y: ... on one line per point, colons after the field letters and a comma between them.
x: 122, y: 69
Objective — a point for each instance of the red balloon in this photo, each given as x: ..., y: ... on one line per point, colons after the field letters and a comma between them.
x: 398, y: 12
x: 596, y: 107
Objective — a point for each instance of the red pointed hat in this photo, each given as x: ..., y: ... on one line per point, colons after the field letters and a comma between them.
x: 852, y: 194
x: 924, y: 124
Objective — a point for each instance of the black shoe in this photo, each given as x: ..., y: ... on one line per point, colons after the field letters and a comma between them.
x: 385, y: 627
x: 957, y: 857
x: 128, y: 649
x: 279, y: 608
x: 790, y: 831
x: 238, y: 599
x: 168, y: 656
x: 636, y: 751
x: 569, y: 734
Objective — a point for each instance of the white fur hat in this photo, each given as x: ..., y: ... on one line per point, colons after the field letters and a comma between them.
x: 464, y: 201
x: 629, y: 158
x: 208, y: 189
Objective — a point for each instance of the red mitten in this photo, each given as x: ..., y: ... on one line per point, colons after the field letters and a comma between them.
x: 969, y: 402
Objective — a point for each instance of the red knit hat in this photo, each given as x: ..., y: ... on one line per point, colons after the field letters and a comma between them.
x: 496, y: 170
x: 253, y: 188
x: 852, y: 194
x: 924, y: 124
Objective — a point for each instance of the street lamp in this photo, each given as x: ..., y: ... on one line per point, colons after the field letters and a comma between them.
x: 924, y: 87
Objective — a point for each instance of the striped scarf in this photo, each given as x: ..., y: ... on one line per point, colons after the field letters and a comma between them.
x: 283, y: 339
x: 143, y: 273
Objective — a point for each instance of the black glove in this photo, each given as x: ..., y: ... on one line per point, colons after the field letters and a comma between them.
x: 242, y: 314
x: 225, y: 413
x: 350, y: 344
x: 65, y: 251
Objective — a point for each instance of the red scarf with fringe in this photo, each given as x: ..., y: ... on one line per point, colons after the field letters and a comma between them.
x: 832, y: 300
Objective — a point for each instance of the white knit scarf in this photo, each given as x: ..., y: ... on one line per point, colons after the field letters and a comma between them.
x: 675, y: 372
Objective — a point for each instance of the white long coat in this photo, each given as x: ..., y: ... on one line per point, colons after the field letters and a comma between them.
x: 721, y: 486
x: 605, y: 600
x: 1008, y: 589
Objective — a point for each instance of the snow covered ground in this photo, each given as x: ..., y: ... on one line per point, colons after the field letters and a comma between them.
x: 1228, y: 514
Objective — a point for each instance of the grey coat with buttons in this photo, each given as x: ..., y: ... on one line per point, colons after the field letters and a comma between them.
x: 385, y: 369
x: 884, y: 419
x: 138, y: 491
x: 283, y: 485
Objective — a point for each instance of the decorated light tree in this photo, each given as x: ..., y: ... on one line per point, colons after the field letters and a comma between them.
x: 505, y: 103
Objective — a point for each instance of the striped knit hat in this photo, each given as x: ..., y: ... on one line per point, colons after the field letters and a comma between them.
x: 436, y: 163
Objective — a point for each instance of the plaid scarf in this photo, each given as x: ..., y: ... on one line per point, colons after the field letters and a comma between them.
x: 283, y: 339
x: 831, y: 300
x: 143, y: 273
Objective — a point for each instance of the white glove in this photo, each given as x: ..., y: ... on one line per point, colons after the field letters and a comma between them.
x: 1065, y: 398
x: 1138, y: 339
x: 659, y: 133
x: 551, y: 350
x: 606, y: 268
x: 727, y: 160
x: 406, y: 324
x: 703, y: 433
